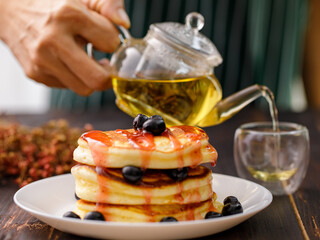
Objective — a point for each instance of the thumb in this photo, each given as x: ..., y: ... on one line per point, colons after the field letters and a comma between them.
x: 111, y: 9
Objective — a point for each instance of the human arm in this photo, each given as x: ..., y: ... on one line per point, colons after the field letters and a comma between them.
x: 47, y: 38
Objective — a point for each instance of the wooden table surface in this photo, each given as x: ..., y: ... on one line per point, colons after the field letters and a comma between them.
x: 288, y: 217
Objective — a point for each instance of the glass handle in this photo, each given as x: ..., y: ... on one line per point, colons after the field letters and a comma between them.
x: 123, y: 35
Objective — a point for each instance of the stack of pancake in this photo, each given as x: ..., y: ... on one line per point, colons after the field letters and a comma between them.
x: 101, y: 186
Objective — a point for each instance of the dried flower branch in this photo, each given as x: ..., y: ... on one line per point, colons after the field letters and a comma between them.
x: 31, y: 154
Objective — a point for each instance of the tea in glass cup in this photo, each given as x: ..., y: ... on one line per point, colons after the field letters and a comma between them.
x: 276, y: 159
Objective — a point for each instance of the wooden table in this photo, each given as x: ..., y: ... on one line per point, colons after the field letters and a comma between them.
x: 288, y: 217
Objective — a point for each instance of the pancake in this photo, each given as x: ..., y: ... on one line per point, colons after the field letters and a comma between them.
x: 106, y: 185
x: 148, y: 213
x: 159, y: 190
x: 176, y: 147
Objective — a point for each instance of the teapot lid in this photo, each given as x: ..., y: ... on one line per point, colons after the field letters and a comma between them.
x: 189, y: 37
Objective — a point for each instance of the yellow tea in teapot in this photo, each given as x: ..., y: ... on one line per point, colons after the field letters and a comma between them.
x: 178, y: 101
x: 191, y: 101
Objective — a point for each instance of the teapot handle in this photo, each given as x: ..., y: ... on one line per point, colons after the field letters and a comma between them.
x: 123, y: 35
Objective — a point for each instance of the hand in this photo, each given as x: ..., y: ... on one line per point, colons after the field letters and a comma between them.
x: 112, y: 9
x: 47, y: 38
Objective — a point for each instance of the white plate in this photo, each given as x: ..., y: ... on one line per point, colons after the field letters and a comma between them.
x: 50, y: 198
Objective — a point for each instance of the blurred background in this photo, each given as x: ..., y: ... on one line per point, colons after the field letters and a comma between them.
x: 18, y: 94
x: 269, y: 42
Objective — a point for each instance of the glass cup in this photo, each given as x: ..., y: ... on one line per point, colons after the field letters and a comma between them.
x: 277, y: 160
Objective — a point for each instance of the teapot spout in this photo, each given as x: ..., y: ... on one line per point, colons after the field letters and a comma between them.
x: 231, y: 105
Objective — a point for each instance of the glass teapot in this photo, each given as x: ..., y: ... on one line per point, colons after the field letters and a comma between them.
x: 170, y: 72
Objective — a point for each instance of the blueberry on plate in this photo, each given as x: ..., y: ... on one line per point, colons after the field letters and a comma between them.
x: 232, y: 208
x: 132, y: 174
x: 178, y: 174
x: 168, y: 219
x: 155, y: 125
x: 94, y: 215
x: 212, y: 214
x: 230, y: 199
x: 71, y: 214
x: 139, y: 120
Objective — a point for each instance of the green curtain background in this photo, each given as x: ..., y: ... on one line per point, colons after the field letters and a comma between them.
x: 261, y: 41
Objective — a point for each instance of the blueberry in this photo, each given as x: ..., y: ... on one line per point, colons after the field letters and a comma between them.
x: 232, y: 208
x: 155, y: 125
x: 230, y: 199
x: 76, y: 196
x: 168, y: 219
x: 132, y: 174
x: 178, y: 174
x: 71, y: 214
x: 139, y: 120
x: 94, y: 215
x: 212, y: 214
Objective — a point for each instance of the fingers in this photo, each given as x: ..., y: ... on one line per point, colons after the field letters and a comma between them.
x: 33, y: 63
x: 69, y: 79
x: 77, y: 20
x: 99, y: 31
x: 112, y: 9
x: 91, y: 73
x: 54, y: 73
x: 59, y: 50
x: 50, y: 48
x: 49, y: 81
x: 106, y: 65
x: 46, y: 65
